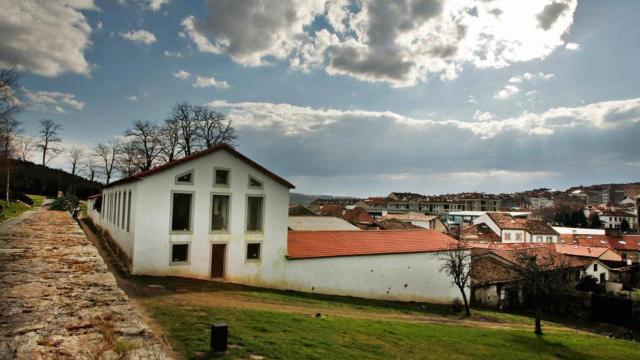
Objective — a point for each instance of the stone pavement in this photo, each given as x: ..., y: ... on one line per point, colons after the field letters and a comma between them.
x: 59, y: 301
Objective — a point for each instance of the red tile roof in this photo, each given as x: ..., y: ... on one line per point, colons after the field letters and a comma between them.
x: 317, y: 244
x: 479, y: 232
x: 624, y: 242
x: 358, y: 215
x: 533, y: 226
x: 587, y: 251
x: 197, y: 155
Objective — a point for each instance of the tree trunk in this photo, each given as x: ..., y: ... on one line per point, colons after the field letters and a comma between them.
x: 73, y: 169
x: 8, y: 185
x: 467, y: 312
x: 538, y: 330
x: 44, y: 155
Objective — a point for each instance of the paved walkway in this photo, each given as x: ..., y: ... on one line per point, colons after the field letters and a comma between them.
x: 59, y: 301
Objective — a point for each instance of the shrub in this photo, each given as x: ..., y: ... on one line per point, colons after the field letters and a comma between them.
x: 590, y: 284
x: 65, y: 203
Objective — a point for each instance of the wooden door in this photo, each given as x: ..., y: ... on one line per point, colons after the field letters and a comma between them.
x: 217, y: 260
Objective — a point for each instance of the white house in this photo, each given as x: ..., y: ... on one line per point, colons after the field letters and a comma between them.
x: 518, y: 230
x: 218, y: 215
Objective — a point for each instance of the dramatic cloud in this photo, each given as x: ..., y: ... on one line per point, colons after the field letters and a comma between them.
x: 181, y: 74
x: 416, y: 154
x: 205, y: 82
x: 140, y: 37
x: 399, y: 42
x: 52, y: 101
x: 45, y: 37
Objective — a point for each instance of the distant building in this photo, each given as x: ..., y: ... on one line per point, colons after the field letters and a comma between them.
x: 541, y: 202
x: 518, y: 230
x: 430, y: 222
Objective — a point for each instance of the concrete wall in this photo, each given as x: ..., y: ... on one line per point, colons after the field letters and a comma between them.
x: 405, y: 277
x: 487, y: 296
x: 596, y: 273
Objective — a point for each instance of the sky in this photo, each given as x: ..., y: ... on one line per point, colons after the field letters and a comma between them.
x: 352, y: 97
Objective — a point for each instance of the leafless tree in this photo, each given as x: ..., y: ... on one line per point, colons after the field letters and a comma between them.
x: 144, y: 140
x: 10, y: 94
x: 49, y: 134
x: 10, y: 106
x: 75, y: 155
x: 457, y: 265
x: 90, y: 168
x: 169, y: 136
x: 129, y: 160
x: 183, y: 115
x: 542, y: 273
x: 108, y: 153
x: 212, y: 127
x: 23, y: 147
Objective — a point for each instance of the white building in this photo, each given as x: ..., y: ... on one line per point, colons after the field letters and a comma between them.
x: 541, y: 202
x: 518, y: 230
x: 217, y: 214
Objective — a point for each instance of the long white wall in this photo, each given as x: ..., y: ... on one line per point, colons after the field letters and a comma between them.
x: 114, y: 215
x: 404, y: 277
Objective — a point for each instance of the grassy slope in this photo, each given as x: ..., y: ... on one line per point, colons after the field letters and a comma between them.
x: 280, y: 335
x: 277, y: 334
x: 16, y: 208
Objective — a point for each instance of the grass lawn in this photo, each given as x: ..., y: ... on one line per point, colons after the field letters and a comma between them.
x: 281, y: 335
x: 12, y: 210
x: 38, y: 200
x: 281, y: 324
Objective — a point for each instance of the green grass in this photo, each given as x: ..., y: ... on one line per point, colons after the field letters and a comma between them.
x: 38, y: 200
x: 280, y: 335
x: 13, y: 210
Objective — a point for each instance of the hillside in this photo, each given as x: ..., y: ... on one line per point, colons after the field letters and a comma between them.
x: 30, y: 178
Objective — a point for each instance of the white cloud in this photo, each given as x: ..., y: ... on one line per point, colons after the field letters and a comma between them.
x: 181, y: 74
x: 155, y: 5
x: 99, y: 25
x: 507, y: 92
x: 52, y: 101
x: 400, y: 42
x: 205, y: 82
x: 132, y: 98
x: 297, y: 120
x: 172, y: 54
x: 139, y: 37
x: 45, y: 37
x: 510, y: 89
x: 572, y: 46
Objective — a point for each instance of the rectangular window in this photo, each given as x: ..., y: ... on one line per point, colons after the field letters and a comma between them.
x: 539, y: 239
x: 117, y: 210
x: 595, y: 267
x: 518, y: 237
x: 129, y: 211
x: 549, y: 239
x: 179, y: 254
x: 222, y: 177
x: 124, y: 208
x: 253, y: 251
x: 220, y: 212
x: 507, y: 236
x: 181, y: 212
x: 254, y: 213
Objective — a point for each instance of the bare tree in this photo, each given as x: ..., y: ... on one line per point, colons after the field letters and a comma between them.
x: 10, y: 106
x: 129, y: 160
x: 108, y: 153
x: 75, y: 155
x: 10, y: 94
x: 542, y: 273
x: 145, y: 142
x: 183, y: 115
x: 212, y: 127
x: 23, y: 147
x: 457, y: 265
x: 90, y: 168
x: 169, y: 136
x: 49, y: 135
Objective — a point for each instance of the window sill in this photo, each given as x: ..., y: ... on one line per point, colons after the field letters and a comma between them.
x: 181, y: 263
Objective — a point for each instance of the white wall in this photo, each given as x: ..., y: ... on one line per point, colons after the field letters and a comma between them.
x: 596, y: 273
x: 106, y: 218
x: 405, y: 277
x: 153, y: 241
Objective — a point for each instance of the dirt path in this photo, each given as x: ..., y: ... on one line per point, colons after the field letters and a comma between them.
x: 57, y: 298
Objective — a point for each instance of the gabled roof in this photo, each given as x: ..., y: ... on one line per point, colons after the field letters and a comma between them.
x: 358, y: 215
x: 318, y: 244
x: 319, y: 223
x: 532, y: 226
x: 410, y: 216
x: 479, y: 232
x: 588, y: 251
x: 197, y: 155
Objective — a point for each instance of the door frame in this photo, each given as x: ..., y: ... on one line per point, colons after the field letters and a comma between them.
x: 224, y: 259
